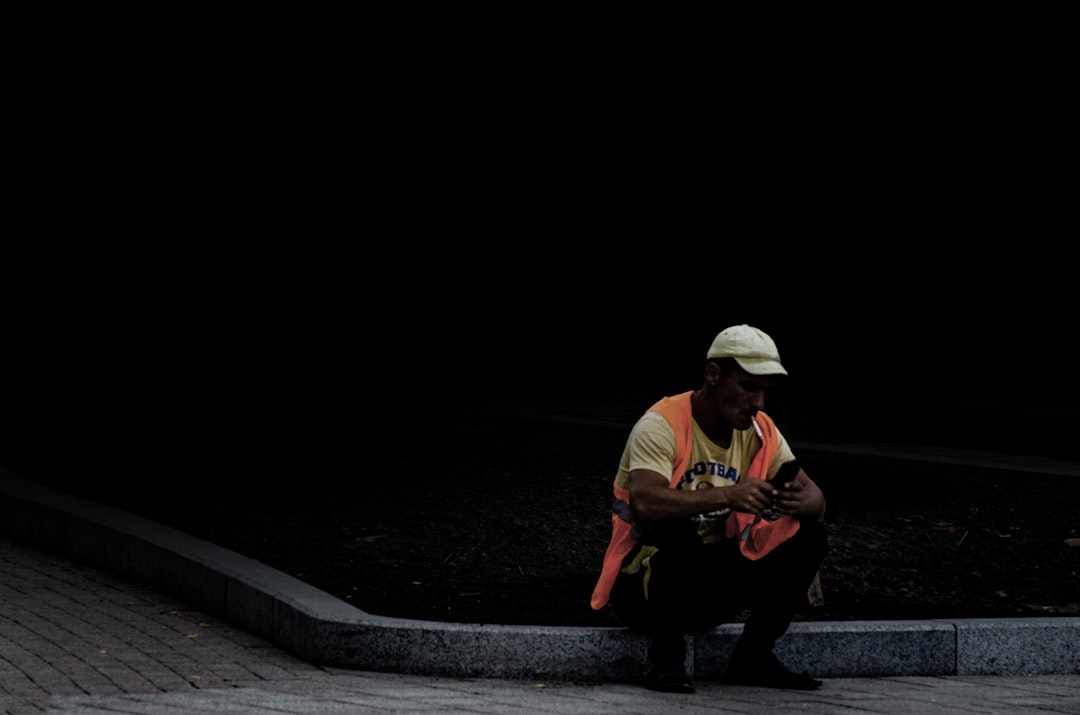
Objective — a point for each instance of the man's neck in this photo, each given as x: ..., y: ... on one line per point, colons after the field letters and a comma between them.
x: 718, y: 432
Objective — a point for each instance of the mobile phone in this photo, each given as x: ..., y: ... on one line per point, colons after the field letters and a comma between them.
x: 787, y: 472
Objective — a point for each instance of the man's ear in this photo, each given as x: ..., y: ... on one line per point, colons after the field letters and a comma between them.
x: 712, y: 373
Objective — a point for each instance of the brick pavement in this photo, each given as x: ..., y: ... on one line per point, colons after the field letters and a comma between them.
x: 69, y: 630
x: 76, y: 640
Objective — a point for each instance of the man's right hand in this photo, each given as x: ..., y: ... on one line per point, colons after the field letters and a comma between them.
x: 749, y: 495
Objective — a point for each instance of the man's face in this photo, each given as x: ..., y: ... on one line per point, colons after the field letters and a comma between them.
x: 740, y: 395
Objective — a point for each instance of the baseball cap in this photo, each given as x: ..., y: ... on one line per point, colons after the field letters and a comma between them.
x: 752, y: 349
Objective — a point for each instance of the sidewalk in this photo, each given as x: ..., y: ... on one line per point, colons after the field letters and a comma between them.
x: 80, y: 640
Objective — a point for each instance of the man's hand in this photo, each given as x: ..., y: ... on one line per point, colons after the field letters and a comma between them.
x: 801, y: 498
x: 651, y: 498
x: 749, y: 495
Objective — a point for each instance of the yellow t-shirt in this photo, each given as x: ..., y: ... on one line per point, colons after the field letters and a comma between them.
x: 651, y: 446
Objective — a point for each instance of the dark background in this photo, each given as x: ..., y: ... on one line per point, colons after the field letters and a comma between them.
x: 241, y: 242
x: 202, y: 382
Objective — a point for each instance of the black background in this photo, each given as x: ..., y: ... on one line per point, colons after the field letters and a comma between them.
x: 242, y: 239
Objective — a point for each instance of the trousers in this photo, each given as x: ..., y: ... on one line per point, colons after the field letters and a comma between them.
x: 690, y: 587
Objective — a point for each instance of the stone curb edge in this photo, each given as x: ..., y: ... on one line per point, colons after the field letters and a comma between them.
x: 325, y: 630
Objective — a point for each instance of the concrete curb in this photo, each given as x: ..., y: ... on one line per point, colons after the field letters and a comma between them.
x: 325, y: 630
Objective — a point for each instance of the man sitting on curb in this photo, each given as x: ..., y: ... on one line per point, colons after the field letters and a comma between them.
x: 702, y: 528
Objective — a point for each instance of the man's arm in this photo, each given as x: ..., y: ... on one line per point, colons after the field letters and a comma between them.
x: 651, y: 497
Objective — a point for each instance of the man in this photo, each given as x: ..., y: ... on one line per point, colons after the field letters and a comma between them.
x: 702, y: 530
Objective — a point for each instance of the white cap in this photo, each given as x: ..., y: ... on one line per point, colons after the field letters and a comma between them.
x: 752, y: 349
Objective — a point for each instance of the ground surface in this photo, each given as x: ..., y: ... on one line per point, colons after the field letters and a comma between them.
x: 506, y: 521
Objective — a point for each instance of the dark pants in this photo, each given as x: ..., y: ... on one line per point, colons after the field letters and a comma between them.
x: 693, y: 587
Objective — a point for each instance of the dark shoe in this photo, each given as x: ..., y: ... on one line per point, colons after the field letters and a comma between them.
x: 769, y: 673
x: 667, y: 664
x: 669, y: 680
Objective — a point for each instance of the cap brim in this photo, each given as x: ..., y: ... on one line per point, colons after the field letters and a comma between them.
x: 761, y: 366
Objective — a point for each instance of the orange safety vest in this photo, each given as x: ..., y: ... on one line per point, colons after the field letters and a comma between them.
x: 757, y: 536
